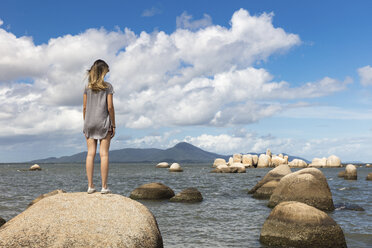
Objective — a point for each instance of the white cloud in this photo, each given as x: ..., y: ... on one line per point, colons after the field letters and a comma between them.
x: 151, y: 12
x: 365, y: 75
x: 184, y: 21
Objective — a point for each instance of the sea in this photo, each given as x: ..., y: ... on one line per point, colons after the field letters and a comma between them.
x: 227, y: 217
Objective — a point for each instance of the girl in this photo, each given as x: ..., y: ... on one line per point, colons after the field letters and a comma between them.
x: 99, y: 121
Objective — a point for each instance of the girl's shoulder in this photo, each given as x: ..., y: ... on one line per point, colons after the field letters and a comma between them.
x: 110, y: 88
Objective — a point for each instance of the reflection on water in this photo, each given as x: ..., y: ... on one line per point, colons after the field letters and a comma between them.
x: 228, y: 216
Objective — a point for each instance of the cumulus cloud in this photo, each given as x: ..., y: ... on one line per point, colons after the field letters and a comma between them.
x: 184, y: 21
x: 151, y: 12
x: 365, y: 75
x: 202, y: 76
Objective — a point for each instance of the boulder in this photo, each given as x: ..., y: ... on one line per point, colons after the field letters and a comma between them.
x: 369, y: 176
x: 54, y: 192
x: 281, y: 155
x: 333, y: 161
x: 268, y: 152
x: 266, y: 190
x: 162, y: 165
x: 237, y: 168
x: 35, y: 167
x: 264, y: 161
x: 175, y: 167
x: 152, y: 191
x: 350, y: 172
x: 231, y: 161
x: 83, y: 220
x: 308, y: 185
x: 276, y: 161
x: 295, y: 224
x: 237, y: 158
x: 297, y: 163
x: 341, y: 174
x: 273, y: 175
x: 286, y: 159
x: 218, y: 161
x: 188, y: 195
x: 255, y: 160
x: 2, y: 221
x: 247, y: 160
x: 222, y: 168
x: 318, y: 162
x: 368, y: 165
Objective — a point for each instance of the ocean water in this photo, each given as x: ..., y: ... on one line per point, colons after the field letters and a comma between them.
x: 228, y: 216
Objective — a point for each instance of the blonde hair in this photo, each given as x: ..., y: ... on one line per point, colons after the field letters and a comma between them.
x: 96, y: 75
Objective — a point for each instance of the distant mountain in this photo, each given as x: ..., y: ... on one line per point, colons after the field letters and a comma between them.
x: 182, y: 152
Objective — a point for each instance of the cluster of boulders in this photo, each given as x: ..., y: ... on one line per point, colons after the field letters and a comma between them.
x: 159, y: 191
x: 332, y: 161
x: 299, y: 199
x: 236, y: 164
x: 175, y: 167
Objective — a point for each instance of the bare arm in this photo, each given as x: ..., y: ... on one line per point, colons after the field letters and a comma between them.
x: 84, y: 105
x: 111, y: 110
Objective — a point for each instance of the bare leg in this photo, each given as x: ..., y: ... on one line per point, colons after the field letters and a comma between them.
x: 92, y: 147
x: 104, y: 154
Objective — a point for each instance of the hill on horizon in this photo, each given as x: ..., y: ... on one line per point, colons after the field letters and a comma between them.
x: 182, y: 152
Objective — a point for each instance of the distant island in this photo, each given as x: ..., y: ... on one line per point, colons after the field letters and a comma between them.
x: 182, y: 152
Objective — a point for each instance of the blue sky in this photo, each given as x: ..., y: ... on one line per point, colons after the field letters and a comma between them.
x: 226, y: 76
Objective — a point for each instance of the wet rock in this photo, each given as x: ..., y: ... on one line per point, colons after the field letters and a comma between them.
x: 54, y: 192
x: 188, y: 195
x: 83, y: 220
x: 162, y: 165
x: 273, y: 175
x: 350, y: 172
x: 35, y: 167
x: 369, y: 177
x: 266, y: 190
x: 175, y: 167
x: 152, y: 191
x: 2, y: 221
x: 348, y: 206
x: 295, y: 224
x: 341, y: 174
x: 308, y: 185
x: 219, y: 161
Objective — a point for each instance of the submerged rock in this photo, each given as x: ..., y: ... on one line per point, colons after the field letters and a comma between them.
x: 188, y: 195
x: 347, y: 206
x: 175, y: 167
x: 295, y: 224
x: 308, y: 185
x: 54, y: 192
x: 83, y: 220
x: 162, y: 165
x: 350, y: 172
x: 35, y: 167
x: 152, y: 191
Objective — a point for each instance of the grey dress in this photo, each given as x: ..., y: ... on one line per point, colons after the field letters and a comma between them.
x: 97, y: 119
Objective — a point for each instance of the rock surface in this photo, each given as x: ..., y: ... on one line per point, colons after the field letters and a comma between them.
x: 341, y: 174
x: 188, y: 195
x: 266, y: 190
x: 255, y: 160
x: 247, y: 160
x: 369, y: 177
x: 297, y: 163
x: 350, y: 172
x: 175, y: 167
x: 54, y: 192
x: 276, y: 161
x: 275, y: 174
x: 2, y: 221
x: 333, y: 161
x: 35, y: 167
x: 308, y: 185
x: 152, y: 191
x: 237, y: 158
x: 263, y: 161
x: 162, y: 165
x: 295, y: 224
x: 318, y: 162
x: 237, y: 168
x: 218, y: 161
x: 83, y: 220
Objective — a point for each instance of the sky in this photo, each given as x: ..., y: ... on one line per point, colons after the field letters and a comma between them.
x: 226, y: 76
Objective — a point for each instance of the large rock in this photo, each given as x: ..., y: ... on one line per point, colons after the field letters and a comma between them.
x: 222, y: 168
x: 264, y: 161
x: 152, y: 191
x: 369, y: 176
x: 350, y: 172
x: 231, y: 161
x: 237, y: 168
x: 35, y: 167
x: 273, y: 175
x: 237, y: 158
x: 266, y: 190
x: 333, y: 161
x: 268, y: 152
x: 2, y: 221
x: 318, y: 162
x: 54, y: 192
x: 297, y: 163
x: 295, y: 224
x: 188, y: 195
x: 162, y: 165
x: 286, y: 159
x: 247, y: 160
x: 218, y: 161
x: 175, y: 167
x: 83, y: 220
x: 276, y: 160
x: 308, y: 185
x: 255, y: 160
